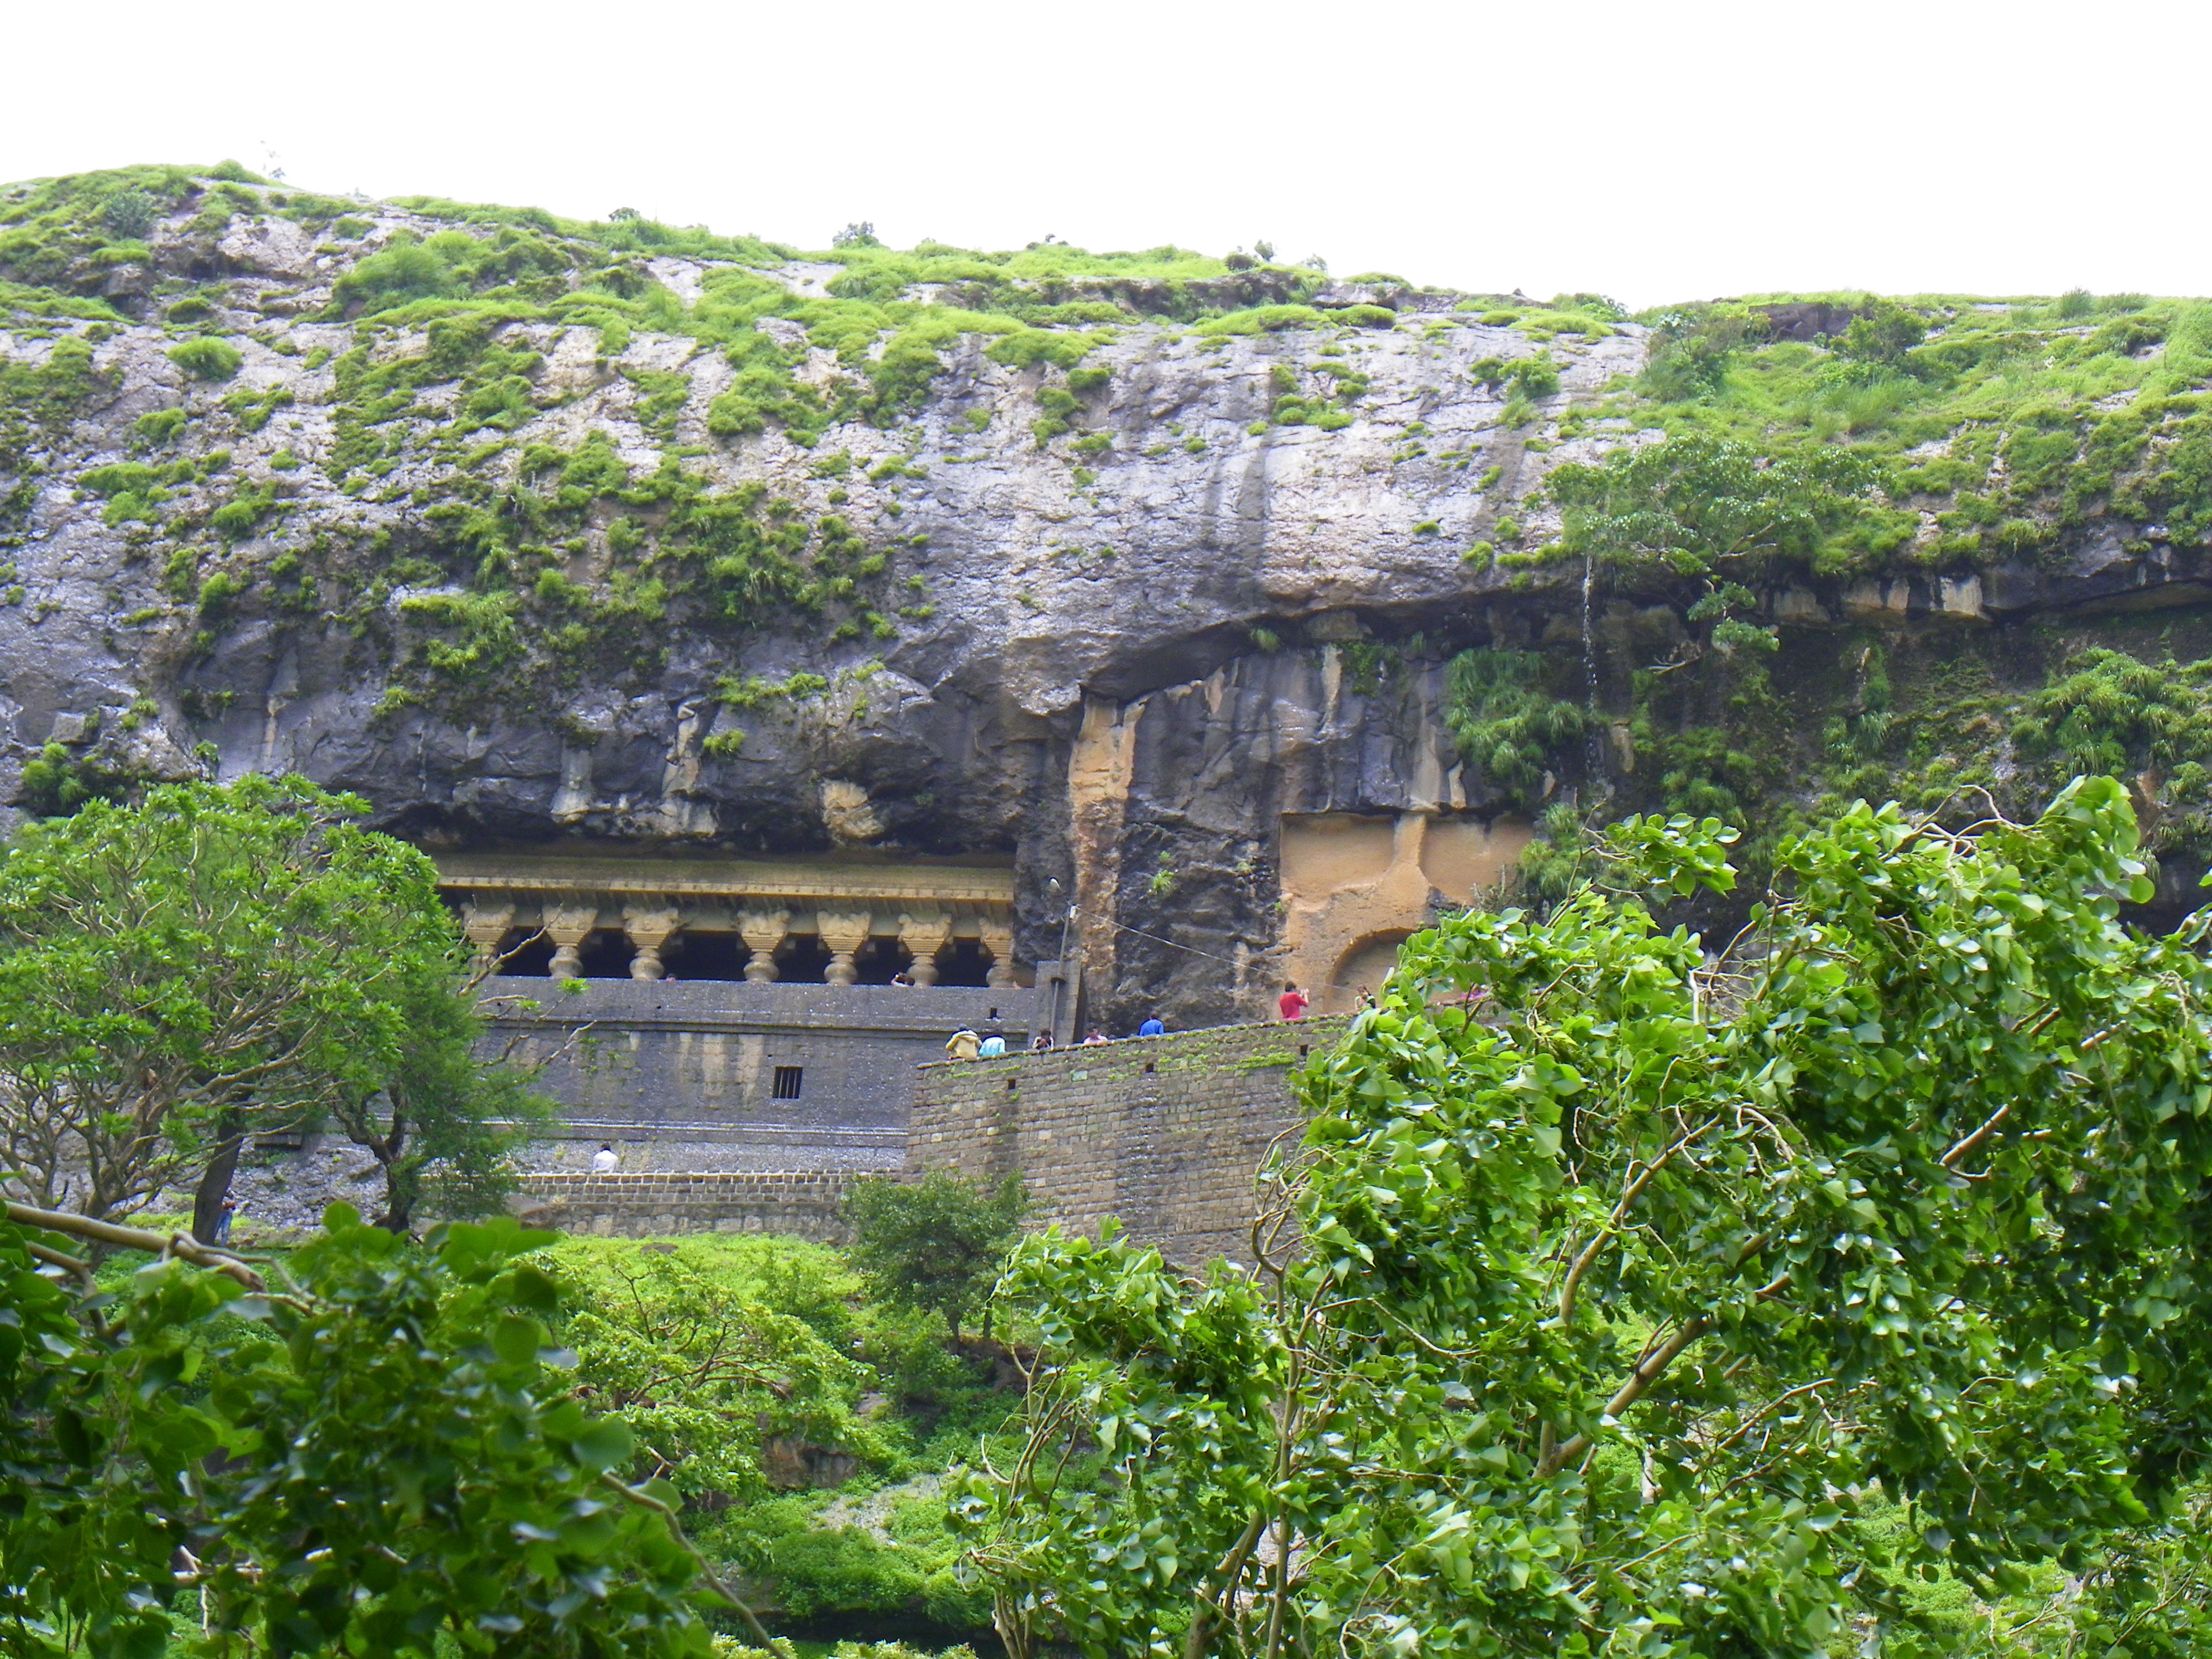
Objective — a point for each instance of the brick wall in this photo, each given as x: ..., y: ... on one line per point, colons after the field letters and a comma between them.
x: 803, y: 1204
x: 1163, y: 1132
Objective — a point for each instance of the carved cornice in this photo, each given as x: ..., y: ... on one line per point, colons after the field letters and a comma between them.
x: 799, y: 883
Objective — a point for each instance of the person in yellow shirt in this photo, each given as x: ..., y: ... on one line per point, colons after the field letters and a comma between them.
x: 964, y: 1044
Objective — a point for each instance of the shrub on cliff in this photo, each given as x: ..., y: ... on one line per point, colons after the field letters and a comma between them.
x: 56, y: 783
x: 128, y: 213
x: 404, y: 273
x: 1883, y: 335
x: 1508, y: 724
x: 1677, y: 1306
x: 206, y: 358
x: 1698, y: 505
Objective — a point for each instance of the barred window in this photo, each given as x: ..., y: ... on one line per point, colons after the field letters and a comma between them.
x: 787, y: 1081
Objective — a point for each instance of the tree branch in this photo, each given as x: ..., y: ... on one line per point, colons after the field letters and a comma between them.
x: 647, y: 1500
x: 1588, y: 1259
x: 182, y: 1245
x: 58, y: 1259
x: 1655, y: 1362
x: 1950, y: 1159
x: 1648, y: 1371
x: 1210, y: 1608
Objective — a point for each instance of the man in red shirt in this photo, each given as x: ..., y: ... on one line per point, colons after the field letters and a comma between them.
x: 1292, y: 1002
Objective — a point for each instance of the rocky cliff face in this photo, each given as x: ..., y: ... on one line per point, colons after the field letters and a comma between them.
x: 585, y: 536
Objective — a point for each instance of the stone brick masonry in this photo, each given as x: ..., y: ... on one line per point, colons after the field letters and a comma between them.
x: 1163, y: 1133
x: 803, y: 1204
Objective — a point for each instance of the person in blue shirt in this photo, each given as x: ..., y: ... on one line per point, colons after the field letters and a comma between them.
x: 995, y: 1042
x: 1152, y: 1027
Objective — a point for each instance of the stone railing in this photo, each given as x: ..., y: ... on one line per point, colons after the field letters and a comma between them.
x: 619, y: 1204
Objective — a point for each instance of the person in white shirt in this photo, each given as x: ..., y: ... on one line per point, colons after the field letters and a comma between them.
x: 604, y: 1159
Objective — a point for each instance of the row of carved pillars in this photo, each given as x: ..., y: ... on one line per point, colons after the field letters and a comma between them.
x: 842, y: 932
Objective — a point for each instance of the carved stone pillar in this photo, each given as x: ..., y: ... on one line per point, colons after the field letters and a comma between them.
x: 569, y: 926
x: 925, y: 933
x: 844, y: 932
x: 486, y: 924
x: 763, y: 931
x: 998, y: 940
x: 649, y: 931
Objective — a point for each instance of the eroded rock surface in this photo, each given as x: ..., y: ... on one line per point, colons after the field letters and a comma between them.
x: 1123, y: 651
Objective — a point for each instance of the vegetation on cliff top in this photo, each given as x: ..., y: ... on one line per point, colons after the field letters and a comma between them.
x: 533, y: 565
x: 1828, y: 438
x: 1981, y: 431
x: 1936, y: 438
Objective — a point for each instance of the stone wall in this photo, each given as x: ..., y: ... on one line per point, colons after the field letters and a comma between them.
x: 1163, y: 1134
x: 644, y: 1062
x: 650, y: 1203
x: 282, y: 1190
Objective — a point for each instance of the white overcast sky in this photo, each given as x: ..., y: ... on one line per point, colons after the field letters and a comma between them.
x: 1656, y: 152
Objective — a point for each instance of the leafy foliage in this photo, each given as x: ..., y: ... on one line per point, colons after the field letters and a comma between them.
x: 213, y: 962
x: 758, y: 1372
x: 1698, y: 505
x: 684, y: 1351
x: 380, y: 1456
x: 444, y: 1124
x: 905, y: 1568
x: 1506, y: 723
x: 731, y: 1648
x: 1883, y: 334
x: 1557, y: 858
x: 2109, y: 712
x: 935, y: 1244
x: 1693, y: 347
x: 56, y: 782
x: 1625, y: 1316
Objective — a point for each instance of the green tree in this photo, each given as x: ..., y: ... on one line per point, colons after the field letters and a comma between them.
x: 1704, y: 506
x: 1635, y: 1321
x: 216, y: 962
x: 379, y: 1454
x: 935, y: 1244
x: 679, y: 1346
x: 444, y: 1122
